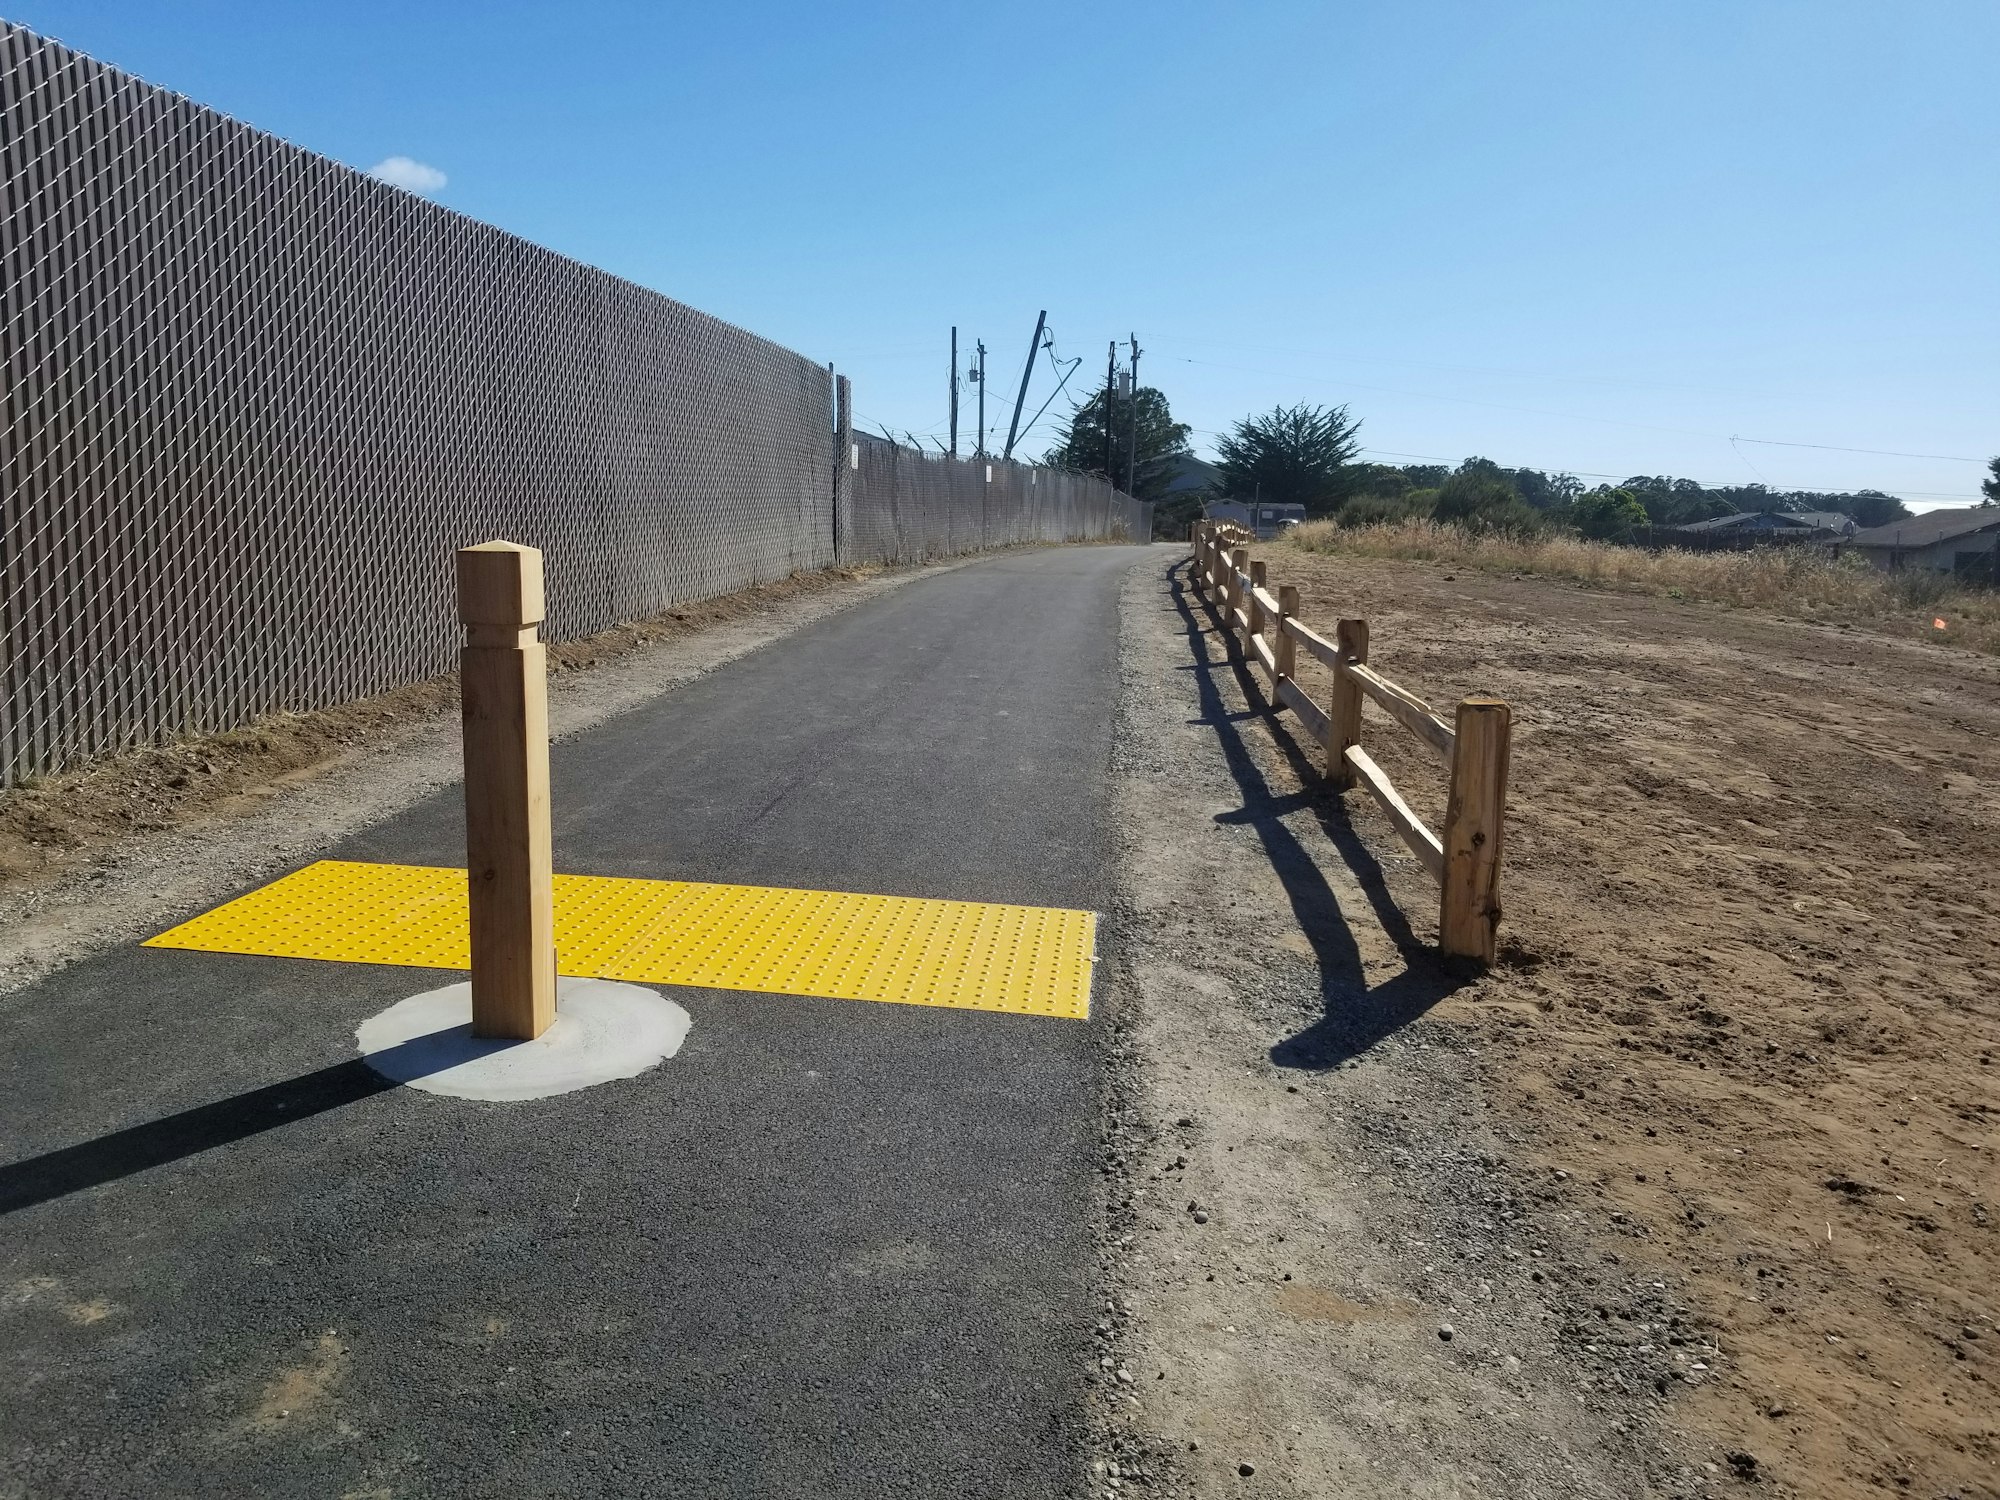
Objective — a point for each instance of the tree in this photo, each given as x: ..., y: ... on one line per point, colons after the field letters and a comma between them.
x: 1299, y: 455
x: 1476, y: 489
x: 1161, y: 441
x: 1990, y: 488
x: 1872, y: 508
x: 1608, y: 515
x: 1480, y: 496
x: 1545, y: 491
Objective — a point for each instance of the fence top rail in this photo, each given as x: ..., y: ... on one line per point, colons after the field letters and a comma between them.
x: 1316, y: 644
x: 1405, y: 707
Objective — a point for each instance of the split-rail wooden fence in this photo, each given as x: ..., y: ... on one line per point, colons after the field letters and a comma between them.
x: 1464, y: 858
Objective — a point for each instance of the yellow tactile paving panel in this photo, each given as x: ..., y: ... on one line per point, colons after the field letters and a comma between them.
x: 1026, y: 960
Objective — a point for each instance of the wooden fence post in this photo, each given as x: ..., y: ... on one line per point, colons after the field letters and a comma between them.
x: 1343, y: 728
x: 1469, y: 909
x: 503, y: 683
x: 1256, y: 611
x: 1287, y: 649
x: 1239, y: 561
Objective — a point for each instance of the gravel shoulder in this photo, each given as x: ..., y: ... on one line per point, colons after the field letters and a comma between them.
x: 119, y: 849
x: 1700, y: 1177
x: 1331, y: 1266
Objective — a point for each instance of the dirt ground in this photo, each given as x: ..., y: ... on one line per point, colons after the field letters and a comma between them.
x: 1701, y: 1177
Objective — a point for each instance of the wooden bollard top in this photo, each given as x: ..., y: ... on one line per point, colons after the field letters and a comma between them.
x: 500, y: 583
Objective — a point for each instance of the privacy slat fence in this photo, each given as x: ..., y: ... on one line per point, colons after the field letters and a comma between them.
x: 1464, y: 856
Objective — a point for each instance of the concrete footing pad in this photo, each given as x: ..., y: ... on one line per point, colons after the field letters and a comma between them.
x: 603, y: 1030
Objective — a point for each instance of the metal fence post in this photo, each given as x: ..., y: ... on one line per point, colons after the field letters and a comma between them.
x: 844, y: 463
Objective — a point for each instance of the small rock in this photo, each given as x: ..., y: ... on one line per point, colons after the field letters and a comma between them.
x: 1246, y: 1470
x: 1745, y: 1464
x: 1444, y: 1332
x: 1200, y: 1216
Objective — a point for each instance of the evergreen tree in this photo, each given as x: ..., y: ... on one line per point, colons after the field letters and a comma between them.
x: 1298, y: 455
x: 1161, y: 441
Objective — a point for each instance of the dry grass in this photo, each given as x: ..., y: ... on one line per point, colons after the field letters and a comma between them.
x: 1793, y: 581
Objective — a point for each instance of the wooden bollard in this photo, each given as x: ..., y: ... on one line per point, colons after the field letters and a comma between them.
x: 1469, y: 907
x: 503, y: 683
x: 1350, y: 639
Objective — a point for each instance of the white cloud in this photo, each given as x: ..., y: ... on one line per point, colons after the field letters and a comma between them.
x: 402, y: 172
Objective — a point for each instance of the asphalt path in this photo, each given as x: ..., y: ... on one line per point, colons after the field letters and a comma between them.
x: 833, y: 1248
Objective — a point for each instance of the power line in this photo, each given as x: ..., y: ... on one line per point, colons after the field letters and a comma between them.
x: 1878, y: 452
x: 1455, y: 400
x: 1570, y: 416
x: 1412, y: 364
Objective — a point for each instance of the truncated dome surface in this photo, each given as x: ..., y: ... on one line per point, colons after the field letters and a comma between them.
x: 1025, y: 960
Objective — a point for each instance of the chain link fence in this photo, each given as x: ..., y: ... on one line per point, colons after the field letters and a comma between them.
x: 251, y: 401
x: 900, y: 505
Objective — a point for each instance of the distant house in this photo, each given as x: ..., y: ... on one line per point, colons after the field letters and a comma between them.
x: 1190, y: 476
x: 1959, y: 540
x: 1266, y: 518
x: 1752, y: 528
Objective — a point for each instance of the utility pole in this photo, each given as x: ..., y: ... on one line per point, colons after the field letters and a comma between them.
x: 1034, y: 348
x: 979, y: 375
x: 954, y: 391
x: 1110, y: 378
x: 1132, y: 449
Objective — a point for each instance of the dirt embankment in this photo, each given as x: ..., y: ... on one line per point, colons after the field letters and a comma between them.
x: 1746, y: 1022
x: 49, y: 824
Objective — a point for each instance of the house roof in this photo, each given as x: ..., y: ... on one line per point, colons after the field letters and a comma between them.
x: 1931, y: 527
x: 1716, y: 523
x: 1191, y: 473
x: 1773, y: 520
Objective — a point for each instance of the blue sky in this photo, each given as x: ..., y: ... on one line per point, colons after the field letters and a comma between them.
x: 1598, y: 235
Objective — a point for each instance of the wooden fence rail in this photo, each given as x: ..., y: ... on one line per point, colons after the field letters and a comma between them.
x: 1464, y: 857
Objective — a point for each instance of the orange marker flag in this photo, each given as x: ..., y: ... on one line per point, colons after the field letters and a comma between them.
x: 1937, y: 624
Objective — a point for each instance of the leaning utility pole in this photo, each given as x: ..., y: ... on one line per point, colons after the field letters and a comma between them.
x: 1034, y: 348
x: 979, y: 450
x: 1110, y: 376
x: 1132, y: 450
x: 954, y: 392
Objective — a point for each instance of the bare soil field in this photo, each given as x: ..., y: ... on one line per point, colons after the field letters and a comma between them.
x: 1739, y: 1054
